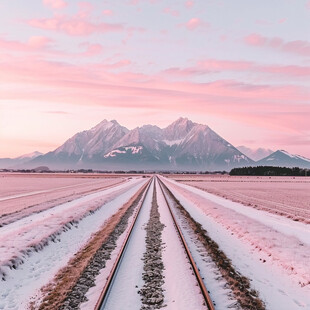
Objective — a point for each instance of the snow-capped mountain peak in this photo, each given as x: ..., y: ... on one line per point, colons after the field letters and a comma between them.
x: 30, y: 155
x: 178, y: 129
x: 255, y: 154
x: 181, y: 145
x: 284, y: 159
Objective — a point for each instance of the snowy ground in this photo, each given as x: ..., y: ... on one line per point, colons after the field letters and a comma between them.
x: 218, y: 288
x: 24, y: 194
x: 287, y: 196
x: 39, y: 267
x: 272, y: 251
x: 124, y: 292
x: 181, y: 287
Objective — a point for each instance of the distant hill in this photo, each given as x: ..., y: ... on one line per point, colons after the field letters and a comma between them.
x: 282, y: 158
x: 255, y: 154
x: 13, y: 162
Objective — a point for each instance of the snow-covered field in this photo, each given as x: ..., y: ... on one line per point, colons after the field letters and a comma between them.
x: 271, y: 250
x: 287, y: 196
x: 34, y: 248
x: 28, y: 193
x: 63, y: 214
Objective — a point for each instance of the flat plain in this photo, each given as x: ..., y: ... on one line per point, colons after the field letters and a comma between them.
x: 20, y: 191
x: 287, y: 196
x: 61, y: 235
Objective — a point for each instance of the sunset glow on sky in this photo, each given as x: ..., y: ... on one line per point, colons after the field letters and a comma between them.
x: 242, y: 67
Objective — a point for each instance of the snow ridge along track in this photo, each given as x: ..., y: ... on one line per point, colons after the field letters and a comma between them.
x: 108, y: 286
x: 105, y: 292
x: 204, y: 290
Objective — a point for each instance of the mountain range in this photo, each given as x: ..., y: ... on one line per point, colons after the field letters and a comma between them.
x: 18, y: 161
x: 255, y: 154
x: 284, y: 159
x: 183, y: 145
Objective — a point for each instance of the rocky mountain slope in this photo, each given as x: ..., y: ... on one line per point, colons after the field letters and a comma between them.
x: 183, y: 145
x: 255, y: 154
x: 282, y: 158
x: 23, y: 159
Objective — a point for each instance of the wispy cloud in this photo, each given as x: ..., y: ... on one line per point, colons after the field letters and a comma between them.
x: 189, y: 4
x: 107, y: 12
x: 196, y: 23
x: 79, y: 24
x: 171, y: 12
x: 94, y: 85
x: 298, y: 47
x: 33, y: 43
x: 74, y: 26
x: 212, y: 66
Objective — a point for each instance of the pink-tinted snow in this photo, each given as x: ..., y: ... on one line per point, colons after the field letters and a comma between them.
x: 39, y: 268
x: 32, y: 230
x: 41, y: 191
x: 287, y: 196
x: 273, y: 251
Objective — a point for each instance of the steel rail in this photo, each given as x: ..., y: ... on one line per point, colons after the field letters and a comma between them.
x: 202, y: 286
x: 108, y: 285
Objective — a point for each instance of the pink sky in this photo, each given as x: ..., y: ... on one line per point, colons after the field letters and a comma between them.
x: 243, y: 68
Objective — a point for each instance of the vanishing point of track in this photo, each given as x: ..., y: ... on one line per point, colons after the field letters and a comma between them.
x: 113, y: 274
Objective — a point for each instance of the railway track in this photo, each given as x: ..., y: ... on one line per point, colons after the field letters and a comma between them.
x: 101, y: 303
x: 202, y: 286
x: 108, y: 286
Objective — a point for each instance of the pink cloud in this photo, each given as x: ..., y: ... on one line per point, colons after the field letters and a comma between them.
x: 195, y: 23
x: 288, y: 70
x: 134, y: 2
x: 38, y: 41
x: 224, y: 65
x: 92, y: 50
x: 85, y: 9
x: 55, y: 4
x: 216, y: 66
x: 171, y: 12
x: 298, y: 47
x: 91, y: 80
x: 189, y: 4
x: 121, y: 63
x: 33, y: 43
x: 107, y: 12
x: 255, y: 39
x: 79, y: 24
x: 83, y: 85
x: 74, y: 26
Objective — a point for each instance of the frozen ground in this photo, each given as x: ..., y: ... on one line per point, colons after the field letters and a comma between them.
x: 124, y: 293
x: 272, y: 251
x: 39, y: 266
x: 219, y: 290
x: 27, y: 193
x: 288, y: 196
x: 181, y: 287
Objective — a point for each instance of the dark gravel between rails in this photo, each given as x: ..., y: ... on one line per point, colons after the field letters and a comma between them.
x: 152, y: 295
x: 98, y: 262
x: 240, y: 285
